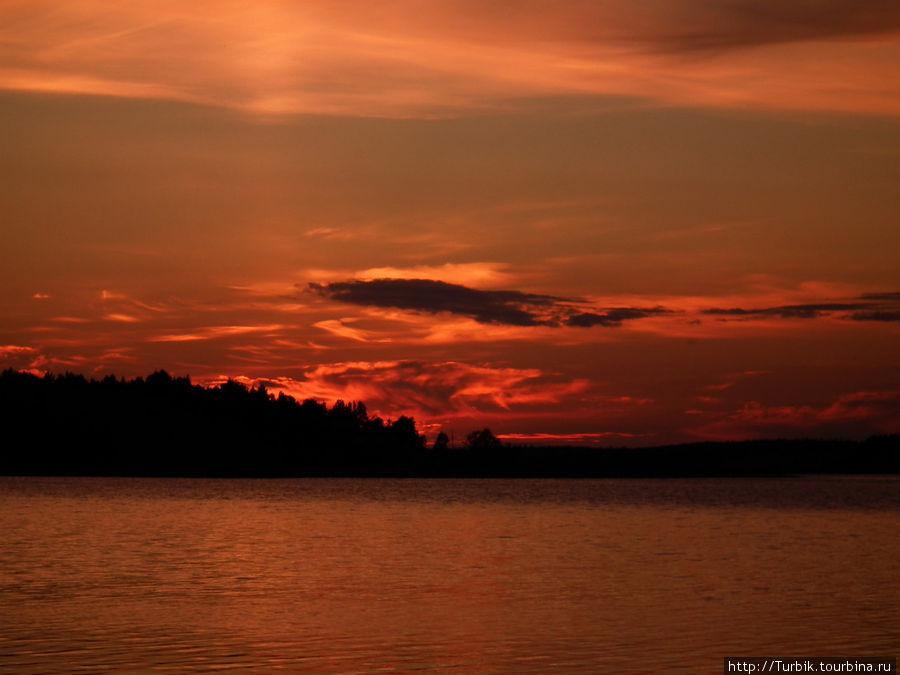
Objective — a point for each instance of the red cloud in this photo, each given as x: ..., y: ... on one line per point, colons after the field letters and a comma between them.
x: 8, y: 350
x: 865, y: 405
x: 851, y: 415
x: 428, y: 390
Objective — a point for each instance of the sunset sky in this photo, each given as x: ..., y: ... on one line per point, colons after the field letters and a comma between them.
x: 614, y: 222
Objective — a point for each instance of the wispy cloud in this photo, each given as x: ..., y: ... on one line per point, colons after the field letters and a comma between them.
x: 123, y: 300
x: 406, y: 58
x: 344, y: 328
x: 213, y: 332
x: 70, y: 319
x: 121, y: 318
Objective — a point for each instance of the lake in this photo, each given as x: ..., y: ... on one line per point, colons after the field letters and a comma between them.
x: 446, y: 576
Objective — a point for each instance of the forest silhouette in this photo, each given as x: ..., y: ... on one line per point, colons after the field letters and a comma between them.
x: 167, y: 426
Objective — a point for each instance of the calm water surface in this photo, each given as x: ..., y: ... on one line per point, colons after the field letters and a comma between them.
x: 448, y: 576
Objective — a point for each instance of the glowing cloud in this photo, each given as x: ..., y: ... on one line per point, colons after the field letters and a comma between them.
x: 430, y: 390
x: 8, y: 350
x: 121, y: 318
x: 471, y: 274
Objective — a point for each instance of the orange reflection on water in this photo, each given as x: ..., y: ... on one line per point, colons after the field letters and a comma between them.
x: 448, y: 576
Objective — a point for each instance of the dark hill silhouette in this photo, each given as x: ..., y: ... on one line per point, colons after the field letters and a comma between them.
x: 165, y: 426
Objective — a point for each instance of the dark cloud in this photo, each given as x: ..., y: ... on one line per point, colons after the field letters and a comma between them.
x: 513, y: 308
x: 613, y: 317
x: 810, y: 311
x: 893, y: 296
x: 712, y: 25
x: 876, y: 315
x: 867, y: 307
x: 424, y: 295
x: 673, y: 26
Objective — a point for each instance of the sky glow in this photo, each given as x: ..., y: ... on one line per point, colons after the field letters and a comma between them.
x: 604, y: 222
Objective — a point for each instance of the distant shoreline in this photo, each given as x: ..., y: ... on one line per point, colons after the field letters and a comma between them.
x: 744, y: 459
x: 67, y: 425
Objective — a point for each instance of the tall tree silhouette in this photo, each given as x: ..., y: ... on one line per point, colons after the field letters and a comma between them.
x: 483, y: 439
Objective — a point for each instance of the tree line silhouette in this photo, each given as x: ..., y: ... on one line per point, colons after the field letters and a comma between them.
x: 167, y: 426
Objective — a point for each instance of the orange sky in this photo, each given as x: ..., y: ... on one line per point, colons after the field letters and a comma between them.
x: 603, y: 221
